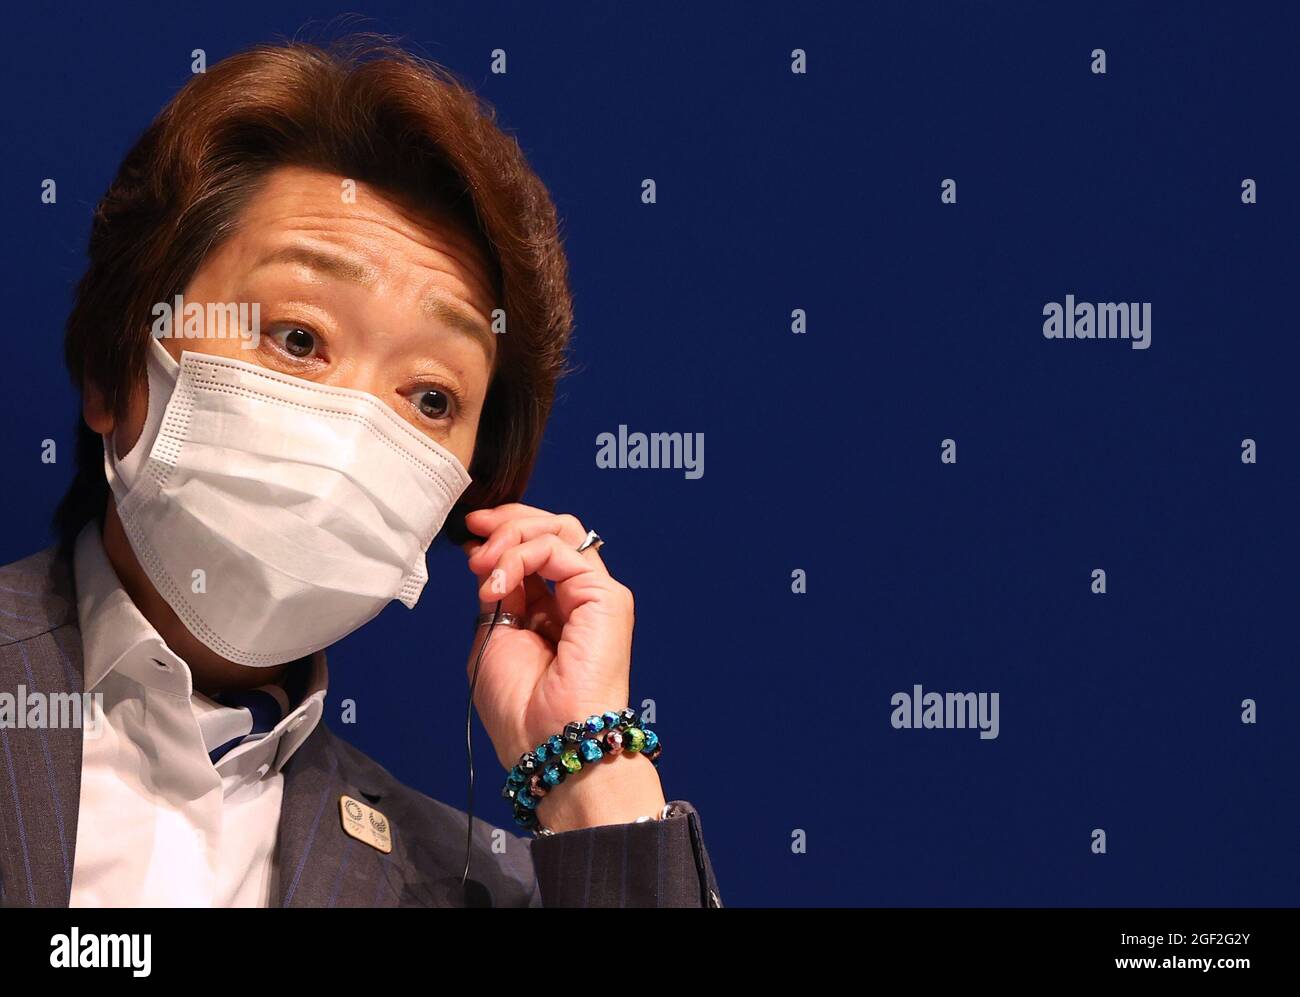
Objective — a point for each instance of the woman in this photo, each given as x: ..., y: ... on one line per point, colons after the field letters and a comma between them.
x: 324, y: 314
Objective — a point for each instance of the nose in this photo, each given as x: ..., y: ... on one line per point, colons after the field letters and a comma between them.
x: 363, y: 373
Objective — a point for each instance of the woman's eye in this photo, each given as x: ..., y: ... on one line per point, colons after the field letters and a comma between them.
x: 434, y: 404
x: 297, y: 341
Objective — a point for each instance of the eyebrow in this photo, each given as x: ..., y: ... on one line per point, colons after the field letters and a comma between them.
x: 350, y: 269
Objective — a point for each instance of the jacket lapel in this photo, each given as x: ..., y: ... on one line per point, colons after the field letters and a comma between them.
x: 319, y: 864
x: 40, y: 769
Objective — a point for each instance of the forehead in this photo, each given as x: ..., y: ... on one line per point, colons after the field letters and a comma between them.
x: 383, y: 229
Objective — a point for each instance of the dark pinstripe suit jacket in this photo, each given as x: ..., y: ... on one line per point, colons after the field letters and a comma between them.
x: 655, y: 863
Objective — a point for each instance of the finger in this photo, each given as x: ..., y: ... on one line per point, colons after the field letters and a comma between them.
x: 539, y: 613
x: 492, y: 586
x: 512, y: 532
x: 543, y: 613
x: 483, y: 521
x: 547, y: 556
x: 515, y: 601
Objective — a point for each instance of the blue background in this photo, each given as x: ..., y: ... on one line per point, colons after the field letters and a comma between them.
x: 779, y: 191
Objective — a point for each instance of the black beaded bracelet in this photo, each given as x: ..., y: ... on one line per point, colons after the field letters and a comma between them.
x: 581, y: 743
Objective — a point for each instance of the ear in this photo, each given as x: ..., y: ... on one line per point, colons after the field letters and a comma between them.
x: 94, y: 409
x: 99, y: 416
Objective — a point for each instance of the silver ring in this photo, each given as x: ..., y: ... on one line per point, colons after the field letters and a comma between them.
x: 593, y: 540
x: 504, y: 620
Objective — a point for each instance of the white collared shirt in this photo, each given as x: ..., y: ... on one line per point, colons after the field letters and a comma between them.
x: 159, y: 824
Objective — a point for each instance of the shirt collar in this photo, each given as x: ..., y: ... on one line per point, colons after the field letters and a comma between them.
x: 271, y: 751
x: 115, y: 635
x: 117, y: 638
x: 298, y: 724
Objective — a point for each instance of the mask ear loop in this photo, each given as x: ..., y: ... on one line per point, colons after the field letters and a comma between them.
x: 469, y: 744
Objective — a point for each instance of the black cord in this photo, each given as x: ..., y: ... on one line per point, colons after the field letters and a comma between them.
x: 469, y: 744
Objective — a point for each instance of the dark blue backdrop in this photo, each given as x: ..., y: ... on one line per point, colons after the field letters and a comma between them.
x: 821, y: 191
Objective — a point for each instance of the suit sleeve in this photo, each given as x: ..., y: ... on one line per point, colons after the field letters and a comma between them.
x: 654, y: 863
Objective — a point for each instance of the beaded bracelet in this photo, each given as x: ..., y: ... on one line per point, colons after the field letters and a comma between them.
x: 583, y: 742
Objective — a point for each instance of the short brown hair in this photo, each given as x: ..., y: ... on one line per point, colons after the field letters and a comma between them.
x: 370, y: 111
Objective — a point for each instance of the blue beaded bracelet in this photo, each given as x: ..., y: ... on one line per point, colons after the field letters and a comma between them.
x: 581, y: 743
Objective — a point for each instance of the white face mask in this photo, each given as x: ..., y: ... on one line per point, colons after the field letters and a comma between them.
x: 276, y: 515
